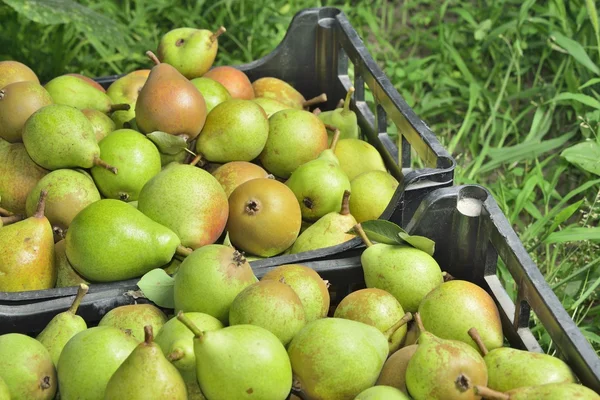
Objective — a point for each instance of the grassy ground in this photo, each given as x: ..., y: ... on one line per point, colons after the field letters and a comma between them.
x: 511, y: 87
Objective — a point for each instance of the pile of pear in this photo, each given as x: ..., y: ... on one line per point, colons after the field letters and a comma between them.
x: 170, y: 159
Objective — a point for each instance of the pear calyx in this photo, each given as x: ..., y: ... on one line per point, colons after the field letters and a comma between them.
x: 189, y: 324
x: 41, y: 205
x: 477, y: 339
x: 322, y: 98
x: 308, y: 203
x: 463, y: 383
x: 101, y: 163
x: 347, y: 100
x: 358, y: 229
x: 2, y: 94
x: 238, y: 258
x: 252, y: 207
x: 81, y: 291
x: 217, y: 33
x: 345, y: 203
x: 401, y: 322
x: 489, y: 393
x: 153, y: 57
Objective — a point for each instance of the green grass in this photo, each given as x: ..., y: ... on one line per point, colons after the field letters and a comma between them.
x: 510, y: 87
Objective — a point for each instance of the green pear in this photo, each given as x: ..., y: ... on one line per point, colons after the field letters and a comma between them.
x: 17, y: 102
x: 134, y: 317
x: 241, y: 361
x: 109, y: 241
x: 209, y: 280
x: 63, y: 327
x: 393, y: 372
x: 146, y: 373
x: 343, y: 119
x: 196, y: 211
x: 371, y: 193
x: 272, y: 305
x: 456, y: 306
x: 69, y: 192
x: 381, y: 393
x: 66, y: 274
x: 14, y: 71
x: 4, y: 391
x: 319, y: 185
x: 102, y: 124
x: 444, y: 369
x: 377, y: 308
x: 214, y: 93
x: 270, y: 106
x: 59, y: 136
x: 26, y: 368
x: 550, y: 391
x: 235, y: 130
x: 191, y: 51
x: 329, y: 230
x: 295, y: 138
x: 177, y: 344
x: 334, y: 358
x: 75, y: 92
x: 308, y: 285
x: 126, y: 90
x: 357, y: 156
x: 137, y: 160
x: 89, y: 359
x: 407, y: 273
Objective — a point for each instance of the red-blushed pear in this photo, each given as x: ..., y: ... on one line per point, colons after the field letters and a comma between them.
x: 235, y: 81
x: 551, y: 391
x: 393, y: 372
x: 14, y: 71
x: 233, y: 174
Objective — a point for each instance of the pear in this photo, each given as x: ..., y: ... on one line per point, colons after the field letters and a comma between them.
x: 235, y: 81
x: 191, y: 51
x: 381, y: 393
x: 393, y: 372
x: 272, y: 305
x: 89, y: 359
x: 196, y: 211
x: 69, y: 192
x: 295, y: 138
x: 308, y: 285
x: 101, y: 123
x: 27, y: 260
x: 371, y: 193
x: 264, y: 217
x: 66, y: 274
x: 126, y: 90
x: 17, y: 102
x: 233, y: 174
x: 137, y: 159
x: 213, y: 92
x: 26, y: 368
x: 343, y: 119
x: 210, y: 278
x: 444, y: 369
x: 270, y: 106
x: 329, y: 230
x: 146, y: 373
x: 221, y: 355
x: 177, y: 344
x: 59, y: 136
x: 4, y: 391
x: 550, y: 391
x: 276, y: 89
x: 14, y: 71
x: 88, y: 81
x: 454, y: 307
x: 63, y: 327
x: 133, y: 317
x: 76, y: 92
x: 377, y: 308
x: 18, y: 176
x: 235, y: 130
x: 357, y: 156
x: 407, y: 273
x: 109, y: 241
x: 334, y: 358
x: 169, y: 103
x: 512, y: 368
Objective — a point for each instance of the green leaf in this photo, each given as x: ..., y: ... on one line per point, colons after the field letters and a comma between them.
x: 420, y: 242
x: 157, y: 286
x: 576, y: 50
x: 166, y: 143
x: 564, y: 215
x: 381, y: 231
x: 581, y: 98
x: 585, y: 155
x: 574, y: 234
x: 591, y: 82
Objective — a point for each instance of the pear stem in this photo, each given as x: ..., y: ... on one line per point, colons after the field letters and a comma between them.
x: 358, y: 229
x: 189, y: 151
x: 101, y: 163
x: 148, y: 334
x: 347, y: 100
x: 5, y: 212
x: 41, y: 205
x: 401, y: 322
x: 11, y: 219
x: 175, y: 355
x: 189, y: 324
x: 119, y: 107
x: 153, y: 57
x: 183, y: 251
x: 336, y: 136
x: 83, y: 289
x: 447, y: 276
x: 419, y: 323
x: 489, y: 393
x: 316, y: 111
x: 477, y: 339
x: 217, y: 33
x: 340, y: 104
x: 197, y: 160
x: 345, y: 203
x: 322, y: 98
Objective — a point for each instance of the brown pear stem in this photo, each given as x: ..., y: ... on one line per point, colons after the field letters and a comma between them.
x: 347, y: 100
x: 183, y: 251
x: 358, y: 228
x: 5, y: 212
x: 489, y: 393
x: 336, y: 136
x: 317, y: 111
x: 119, y: 107
x: 477, y: 339
x: 419, y: 323
x: 11, y: 219
x: 153, y: 57
x: 340, y: 104
x: 345, y: 203
x: 41, y: 205
x: 217, y: 33
x: 148, y: 334
x: 175, y: 355
x: 322, y: 98
x: 83, y: 289
x: 197, y: 159
x: 101, y: 163
x: 401, y: 322
x: 447, y: 277
x: 189, y: 324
